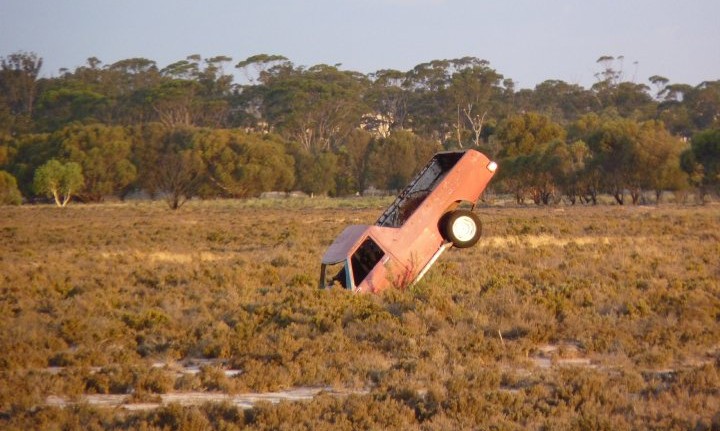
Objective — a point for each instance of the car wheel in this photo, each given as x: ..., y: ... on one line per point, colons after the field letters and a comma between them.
x: 462, y: 228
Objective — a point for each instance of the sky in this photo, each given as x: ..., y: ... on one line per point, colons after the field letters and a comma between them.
x: 528, y: 41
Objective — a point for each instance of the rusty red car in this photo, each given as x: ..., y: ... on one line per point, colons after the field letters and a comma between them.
x: 433, y: 213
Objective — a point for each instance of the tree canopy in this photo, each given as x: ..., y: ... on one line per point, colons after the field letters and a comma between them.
x: 326, y: 130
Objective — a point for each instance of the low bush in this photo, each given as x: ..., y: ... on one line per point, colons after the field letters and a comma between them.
x: 94, y: 297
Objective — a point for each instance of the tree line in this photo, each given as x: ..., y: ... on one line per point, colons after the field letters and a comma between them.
x: 189, y: 129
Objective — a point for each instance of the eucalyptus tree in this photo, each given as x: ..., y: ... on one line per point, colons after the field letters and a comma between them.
x: 660, y: 82
x: 612, y: 144
x: 521, y: 134
x: 316, y: 107
x: 561, y: 101
x: 19, y: 74
x: 574, y: 176
x: 90, y: 93
x: 240, y: 164
x: 9, y: 192
x: 429, y: 106
x: 23, y: 154
x: 450, y: 100
x: 61, y: 181
x: 355, y: 160
x: 179, y: 170
x: 104, y: 153
x: 633, y: 156
x: 702, y: 161
x: 659, y: 155
x: 65, y: 101
x: 316, y: 172
x: 473, y: 88
x: 216, y: 87
x: 259, y: 68
x: 193, y: 92
x: 133, y: 78
x: 174, y: 102
x: 626, y: 97
x: 687, y: 109
x: 18, y: 81
x: 524, y: 140
x: 388, y: 97
x: 393, y: 161
x: 558, y: 168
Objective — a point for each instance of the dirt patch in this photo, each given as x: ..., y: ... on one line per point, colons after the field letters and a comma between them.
x: 243, y: 401
x: 169, y: 257
x: 535, y: 241
x: 561, y: 354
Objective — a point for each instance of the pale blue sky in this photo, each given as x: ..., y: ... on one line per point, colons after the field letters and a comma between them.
x: 526, y: 40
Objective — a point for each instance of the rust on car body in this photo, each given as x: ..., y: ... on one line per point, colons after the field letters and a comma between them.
x: 415, y: 229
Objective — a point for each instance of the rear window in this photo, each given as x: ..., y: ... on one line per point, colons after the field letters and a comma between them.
x: 364, y: 259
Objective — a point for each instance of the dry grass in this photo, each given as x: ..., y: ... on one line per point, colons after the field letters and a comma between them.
x: 603, y: 317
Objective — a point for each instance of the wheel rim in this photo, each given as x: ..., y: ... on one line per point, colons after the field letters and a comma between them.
x: 464, y: 228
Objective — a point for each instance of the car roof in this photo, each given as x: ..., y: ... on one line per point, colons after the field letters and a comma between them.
x: 344, y: 243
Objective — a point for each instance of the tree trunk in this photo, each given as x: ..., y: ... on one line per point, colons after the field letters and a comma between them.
x: 56, y: 196
x: 619, y: 197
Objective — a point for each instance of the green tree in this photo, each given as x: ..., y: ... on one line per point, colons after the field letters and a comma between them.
x: 18, y: 89
x: 394, y: 160
x: 516, y: 176
x: 628, y: 99
x: 105, y: 153
x: 430, y: 111
x: 521, y: 134
x: 316, y: 107
x: 355, y: 158
x: 524, y: 139
x: 388, y: 97
x: 61, y: 104
x: 148, y: 142
x: 576, y: 180
x: 702, y: 161
x: 260, y: 64
x: 61, y: 181
x: 630, y: 156
x: 9, y: 193
x: 561, y: 101
x: 88, y: 94
x: 173, y: 102
x: 131, y: 80
x: 613, y: 146
x: 179, y: 170
x: 686, y: 110
x: 24, y: 154
x: 240, y: 164
x: 659, y: 160
x: 471, y: 89
x: 316, y: 172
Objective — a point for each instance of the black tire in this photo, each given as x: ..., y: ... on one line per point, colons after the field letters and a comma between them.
x: 461, y: 227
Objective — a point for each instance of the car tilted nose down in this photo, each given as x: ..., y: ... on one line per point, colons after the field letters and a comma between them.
x: 410, y: 235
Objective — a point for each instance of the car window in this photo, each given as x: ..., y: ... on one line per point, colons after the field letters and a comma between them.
x: 340, y: 271
x: 364, y: 259
x: 419, y: 188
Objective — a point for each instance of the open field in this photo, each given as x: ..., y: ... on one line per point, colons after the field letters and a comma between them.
x: 560, y: 318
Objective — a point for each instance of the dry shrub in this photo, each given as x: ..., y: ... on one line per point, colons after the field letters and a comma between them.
x: 108, y: 290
